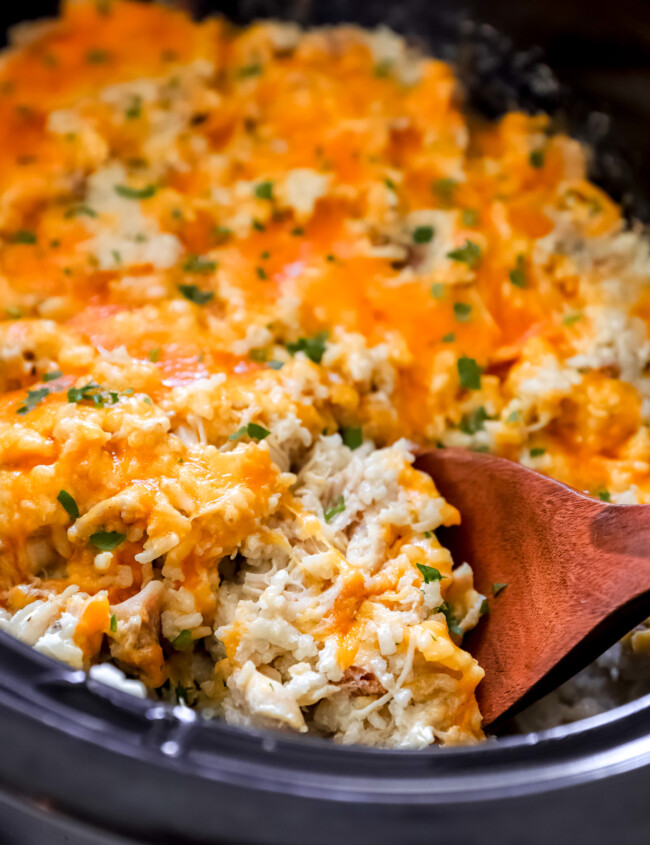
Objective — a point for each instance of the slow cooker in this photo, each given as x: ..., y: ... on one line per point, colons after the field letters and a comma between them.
x: 83, y: 764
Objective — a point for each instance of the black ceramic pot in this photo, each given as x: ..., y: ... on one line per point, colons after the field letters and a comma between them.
x: 84, y: 765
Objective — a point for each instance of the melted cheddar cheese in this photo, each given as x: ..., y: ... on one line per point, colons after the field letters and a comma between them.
x: 237, y: 269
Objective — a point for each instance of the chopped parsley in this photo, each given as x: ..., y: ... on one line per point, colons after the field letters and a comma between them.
x: 444, y: 189
x: 183, y: 640
x: 513, y: 417
x: 537, y: 159
x: 52, y: 376
x: 24, y: 236
x: 390, y: 184
x: 113, y: 625
x: 462, y: 311
x: 261, y: 274
x: 570, y: 319
x: 97, y: 57
x: 258, y: 226
x: 33, y: 399
x: 469, y: 217
x: 383, y: 68
x: 69, y: 505
x: 428, y: 534
x: 129, y: 193
x: 250, y: 70
x: 449, y: 338
x: 154, y: 355
x: 196, y: 295
x: 429, y: 573
x: 498, y: 587
x: 264, y: 190
x: 221, y: 233
x: 297, y: 231
x: 258, y: 355
x: 92, y: 392
x: 134, y: 111
x: 604, y: 496
x: 276, y: 365
x: 253, y: 430
x: 485, y: 608
x: 473, y: 421
x: 352, y: 437
x: 469, y: 253
x: 106, y: 541
x: 313, y: 347
x: 80, y: 211
x: 13, y: 312
x: 469, y: 373
x: 437, y: 290
x: 537, y: 452
x: 198, y: 264
x: 518, y: 274
x: 338, y: 507
x: 452, y: 621
x: 423, y: 234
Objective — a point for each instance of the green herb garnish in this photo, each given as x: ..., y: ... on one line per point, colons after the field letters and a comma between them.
x: 24, y: 236
x: 469, y: 254
x: 313, y: 347
x: 52, y: 376
x: 429, y: 573
x: 570, y: 319
x: 449, y: 338
x: 69, y: 504
x: 258, y: 355
x: 261, y: 274
x: 462, y: 311
x: 196, y: 295
x: 33, y: 399
x: 352, y: 437
x: 469, y: 217
x: 113, y: 625
x: 197, y: 264
x: 537, y: 159
x: 423, y: 234
x: 130, y: 193
x: 253, y: 430
x: 264, y: 190
x: 154, y: 355
x: 452, y: 621
x: 469, y: 373
x: 444, y: 189
x: 134, y: 111
x: 80, y: 211
x: 473, y: 421
x: 498, y: 587
x: 183, y: 640
x: 537, y: 452
x: 249, y: 70
x: 437, y: 290
x: 338, y: 507
x: 97, y: 57
x: 518, y: 274
x: 604, y: 496
x: 106, y: 541
x: 275, y: 365
x: 383, y: 68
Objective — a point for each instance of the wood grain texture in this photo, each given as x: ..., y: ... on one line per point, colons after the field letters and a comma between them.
x: 578, y: 573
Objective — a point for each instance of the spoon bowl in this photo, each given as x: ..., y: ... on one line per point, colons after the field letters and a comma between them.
x: 576, y: 570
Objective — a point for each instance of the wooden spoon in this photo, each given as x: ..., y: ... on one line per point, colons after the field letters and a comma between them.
x: 577, y: 572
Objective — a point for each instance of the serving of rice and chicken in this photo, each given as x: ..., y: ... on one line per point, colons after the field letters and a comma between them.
x: 244, y: 274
